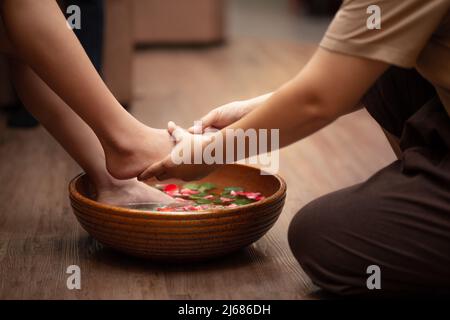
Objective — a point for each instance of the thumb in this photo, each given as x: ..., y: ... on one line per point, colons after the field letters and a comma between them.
x: 176, y: 131
x: 171, y: 127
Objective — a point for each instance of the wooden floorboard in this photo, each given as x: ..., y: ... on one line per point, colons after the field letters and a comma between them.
x: 40, y: 237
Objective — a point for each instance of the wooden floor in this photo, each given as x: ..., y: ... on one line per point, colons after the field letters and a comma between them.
x: 40, y: 237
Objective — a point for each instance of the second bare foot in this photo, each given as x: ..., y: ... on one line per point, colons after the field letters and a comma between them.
x: 131, y: 192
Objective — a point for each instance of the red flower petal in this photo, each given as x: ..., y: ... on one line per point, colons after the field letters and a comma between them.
x: 170, y: 188
x: 165, y: 209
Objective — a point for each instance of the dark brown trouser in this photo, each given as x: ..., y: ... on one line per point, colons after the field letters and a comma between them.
x: 399, y: 219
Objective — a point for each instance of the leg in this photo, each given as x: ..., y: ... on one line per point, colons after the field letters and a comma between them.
x: 44, y: 43
x: 78, y: 140
x: 5, y: 44
x: 399, y: 220
x: 399, y: 226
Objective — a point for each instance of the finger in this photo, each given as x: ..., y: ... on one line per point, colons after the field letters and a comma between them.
x: 152, y: 171
x: 171, y: 126
x: 158, y: 169
x: 163, y: 176
x: 195, y: 129
x: 146, y: 174
x: 211, y: 130
x: 166, y: 170
x: 179, y: 134
x: 206, y: 121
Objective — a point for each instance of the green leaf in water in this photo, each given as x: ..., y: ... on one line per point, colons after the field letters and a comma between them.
x: 229, y: 189
x: 191, y: 186
x: 203, y: 201
x: 227, y: 195
x: 242, y: 201
x: 198, y: 195
x: 206, y: 186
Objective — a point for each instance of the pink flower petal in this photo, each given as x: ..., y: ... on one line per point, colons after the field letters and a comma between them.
x: 252, y: 195
x: 174, y: 193
x: 248, y: 195
x: 188, y: 192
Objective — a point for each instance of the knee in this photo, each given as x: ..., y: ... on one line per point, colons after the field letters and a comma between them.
x: 300, y: 233
x: 304, y: 234
x: 6, y: 46
x: 312, y: 235
x: 6, y: 49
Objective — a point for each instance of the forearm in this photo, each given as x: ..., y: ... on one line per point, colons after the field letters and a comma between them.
x: 253, y: 103
x: 293, y: 112
x: 296, y: 114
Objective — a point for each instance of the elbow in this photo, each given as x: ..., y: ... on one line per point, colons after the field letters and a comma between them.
x: 320, y: 109
x: 315, y: 101
x: 321, y: 113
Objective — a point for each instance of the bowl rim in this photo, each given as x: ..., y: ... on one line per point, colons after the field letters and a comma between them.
x: 74, y: 194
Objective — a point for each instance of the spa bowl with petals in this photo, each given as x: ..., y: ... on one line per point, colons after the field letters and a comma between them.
x: 183, y: 236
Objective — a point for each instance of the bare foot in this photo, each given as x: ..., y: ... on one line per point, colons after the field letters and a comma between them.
x: 131, y: 192
x: 136, y: 151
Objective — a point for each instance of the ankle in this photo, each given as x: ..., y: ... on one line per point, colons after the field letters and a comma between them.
x: 108, y: 183
x: 123, y: 138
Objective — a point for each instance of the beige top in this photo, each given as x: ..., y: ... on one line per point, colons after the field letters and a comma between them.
x: 413, y: 34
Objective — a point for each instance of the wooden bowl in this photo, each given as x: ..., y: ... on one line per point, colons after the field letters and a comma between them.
x: 183, y: 236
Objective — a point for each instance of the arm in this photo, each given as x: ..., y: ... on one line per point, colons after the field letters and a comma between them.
x: 329, y: 86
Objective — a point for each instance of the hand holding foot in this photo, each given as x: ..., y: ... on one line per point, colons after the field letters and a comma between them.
x: 136, y: 150
x: 166, y: 168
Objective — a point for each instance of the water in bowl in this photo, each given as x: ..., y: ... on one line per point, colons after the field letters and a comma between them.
x: 150, y: 206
